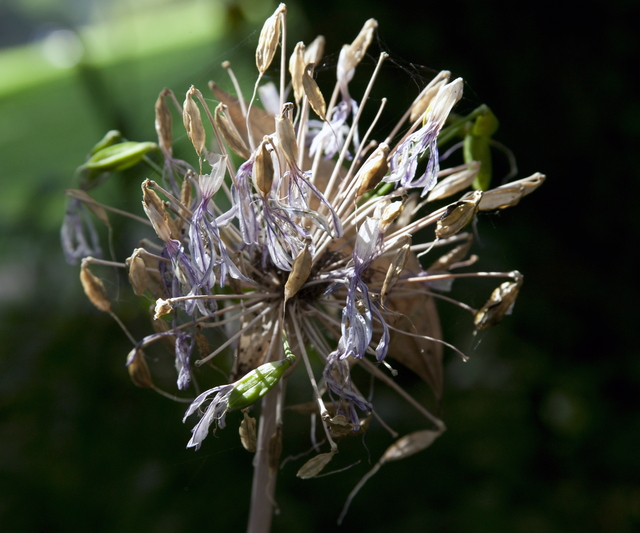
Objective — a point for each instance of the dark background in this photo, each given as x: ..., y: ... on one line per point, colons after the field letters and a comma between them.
x: 543, y: 426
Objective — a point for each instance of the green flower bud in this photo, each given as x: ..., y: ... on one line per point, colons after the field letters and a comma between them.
x: 119, y: 156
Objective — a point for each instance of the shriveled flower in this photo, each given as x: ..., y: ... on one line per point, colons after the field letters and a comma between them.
x: 312, y: 239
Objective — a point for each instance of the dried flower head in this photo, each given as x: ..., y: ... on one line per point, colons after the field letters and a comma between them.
x: 310, y: 240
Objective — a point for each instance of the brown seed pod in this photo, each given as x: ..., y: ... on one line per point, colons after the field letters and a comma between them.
x: 315, y: 465
x: 500, y: 303
x: 287, y: 135
x: 93, y: 287
x: 311, y: 89
x: 163, y: 123
x: 395, y: 268
x: 137, y: 272
x: 424, y: 99
x: 409, y: 444
x: 269, y: 39
x: 456, y: 182
x: 247, y: 432
x: 458, y: 215
x: 373, y: 169
x: 263, y: 171
x: 155, y: 211
x: 296, y: 69
x: 299, y: 272
x: 229, y: 132
x: 193, y: 122
x: 138, y: 369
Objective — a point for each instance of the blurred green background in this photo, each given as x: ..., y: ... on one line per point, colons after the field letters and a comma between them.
x: 544, y: 425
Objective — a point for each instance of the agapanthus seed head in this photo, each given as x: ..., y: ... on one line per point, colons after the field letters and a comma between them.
x: 269, y: 39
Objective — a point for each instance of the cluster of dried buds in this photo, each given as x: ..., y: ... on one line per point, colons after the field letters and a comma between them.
x: 301, y: 232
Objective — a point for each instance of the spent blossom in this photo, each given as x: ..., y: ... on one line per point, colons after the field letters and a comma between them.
x: 310, y: 240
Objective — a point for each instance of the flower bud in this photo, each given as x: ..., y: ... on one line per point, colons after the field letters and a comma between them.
x: 118, y: 157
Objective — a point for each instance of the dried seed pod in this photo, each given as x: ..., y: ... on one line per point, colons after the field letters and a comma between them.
x: 455, y: 255
x: 156, y: 212
x: 456, y: 182
x: 421, y: 103
x: 138, y: 369
x: 314, y: 52
x: 248, y: 433
x: 395, y: 268
x: 390, y: 213
x: 409, y: 444
x: 499, y: 304
x: 202, y: 344
x: 297, y: 69
x: 458, y: 215
x: 263, y: 169
x: 299, y: 272
x: 311, y: 89
x: 275, y: 449
x: 269, y: 39
x: 373, y: 169
x: 93, y: 287
x: 509, y: 194
x: 315, y: 465
x: 287, y: 135
x: 340, y: 426
x: 193, y: 122
x: 353, y: 53
x: 163, y: 307
x: 163, y: 124
x: 137, y: 272
x: 230, y: 132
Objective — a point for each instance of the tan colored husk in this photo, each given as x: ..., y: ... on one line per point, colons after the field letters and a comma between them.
x: 510, y: 194
x: 193, y: 122
x: 456, y: 182
x: 269, y: 39
x: 163, y: 124
x: 421, y: 105
x: 163, y: 307
x: 315, y: 465
x: 230, y: 132
x: 314, y: 51
x: 93, y: 287
x: 358, y: 48
x: 299, y: 272
x: 396, y: 267
x: 409, y: 444
x: 340, y: 426
x: 156, y: 212
x: 311, y: 89
x: 373, y: 169
x: 138, y: 369
x: 444, y: 262
x: 500, y: 303
x: 296, y: 69
x: 137, y: 272
x: 247, y: 431
x: 458, y: 215
x: 390, y: 213
x: 263, y: 170
x: 287, y: 136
